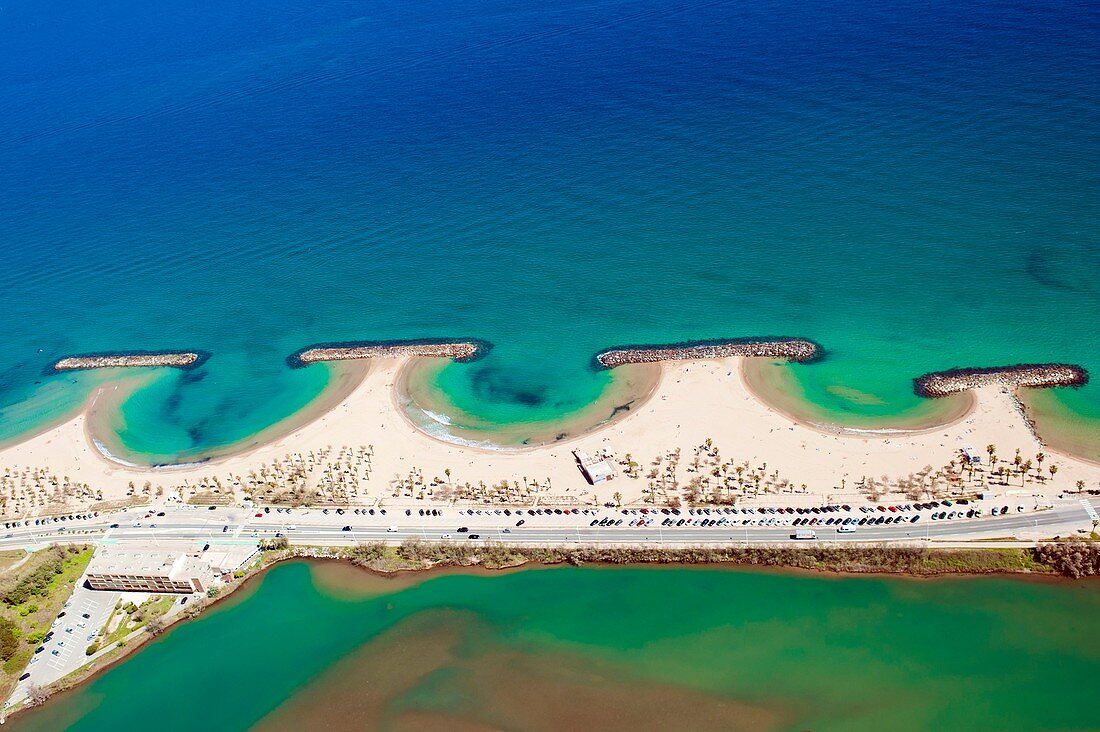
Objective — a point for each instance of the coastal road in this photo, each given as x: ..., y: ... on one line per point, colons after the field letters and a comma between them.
x: 235, y: 525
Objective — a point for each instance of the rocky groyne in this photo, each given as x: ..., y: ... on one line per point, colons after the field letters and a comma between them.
x: 459, y: 350
x: 1034, y: 376
x: 183, y: 359
x: 792, y: 349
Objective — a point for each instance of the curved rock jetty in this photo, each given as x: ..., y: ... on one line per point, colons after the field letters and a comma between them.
x: 457, y: 350
x: 792, y: 349
x: 1034, y: 376
x: 128, y: 360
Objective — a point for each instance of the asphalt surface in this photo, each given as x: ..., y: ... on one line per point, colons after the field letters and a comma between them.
x: 233, y: 525
x: 64, y: 652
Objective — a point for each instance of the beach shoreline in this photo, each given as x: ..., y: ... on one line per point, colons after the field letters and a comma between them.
x: 632, y: 386
x: 780, y: 396
x: 681, y: 407
x: 1058, y: 429
x: 104, y: 404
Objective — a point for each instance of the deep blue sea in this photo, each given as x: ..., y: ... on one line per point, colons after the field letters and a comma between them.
x: 914, y: 185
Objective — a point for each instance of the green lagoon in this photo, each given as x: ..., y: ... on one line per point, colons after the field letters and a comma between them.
x: 327, y: 646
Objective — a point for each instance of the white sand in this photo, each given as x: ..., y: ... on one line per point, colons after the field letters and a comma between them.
x: 694, y: 401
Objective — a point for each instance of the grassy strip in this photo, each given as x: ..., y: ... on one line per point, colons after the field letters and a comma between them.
x: 1068, y: 558
x: 10, y: 558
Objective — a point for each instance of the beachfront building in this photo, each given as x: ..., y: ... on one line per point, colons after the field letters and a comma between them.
x: 595, y: 469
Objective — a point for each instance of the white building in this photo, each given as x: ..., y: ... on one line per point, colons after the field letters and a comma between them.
x: 596, y: 470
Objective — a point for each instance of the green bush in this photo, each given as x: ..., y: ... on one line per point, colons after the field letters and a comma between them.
x: 9, y: 639
x: 92, y: 649
x: 369, y: 551
x: 37, y: 581
x: 18, y: 662
x: 1074, y: 558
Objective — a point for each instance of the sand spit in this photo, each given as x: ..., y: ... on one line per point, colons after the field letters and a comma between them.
x: 1035, y: 376
x: 467, y: 350
x: 182, y: 359
x: 792, y: 349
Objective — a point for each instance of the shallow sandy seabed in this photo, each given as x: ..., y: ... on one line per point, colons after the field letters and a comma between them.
x: 432, y: 411
x: 1059, y: 427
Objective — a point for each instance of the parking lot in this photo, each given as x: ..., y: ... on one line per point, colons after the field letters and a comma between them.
x: 64, y: 652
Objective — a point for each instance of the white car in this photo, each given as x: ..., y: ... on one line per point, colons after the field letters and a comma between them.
x: 846, y: 530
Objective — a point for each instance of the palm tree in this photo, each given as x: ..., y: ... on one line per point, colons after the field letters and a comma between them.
x: 618, y: 498
x: 1053, y: 469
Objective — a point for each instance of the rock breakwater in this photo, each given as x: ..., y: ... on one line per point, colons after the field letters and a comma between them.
x: 1034, y: 376
x: 459, y: 350
x: 185, y: 359
x: 792, y: 349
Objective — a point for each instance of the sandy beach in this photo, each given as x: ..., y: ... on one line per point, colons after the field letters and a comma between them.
x: 698, y: 432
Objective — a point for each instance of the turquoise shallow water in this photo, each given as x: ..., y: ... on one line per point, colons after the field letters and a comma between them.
x: 915, y: 187
x: 322, y: 648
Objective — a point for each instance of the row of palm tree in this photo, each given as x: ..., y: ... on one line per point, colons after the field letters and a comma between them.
x: 1019, y: 466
